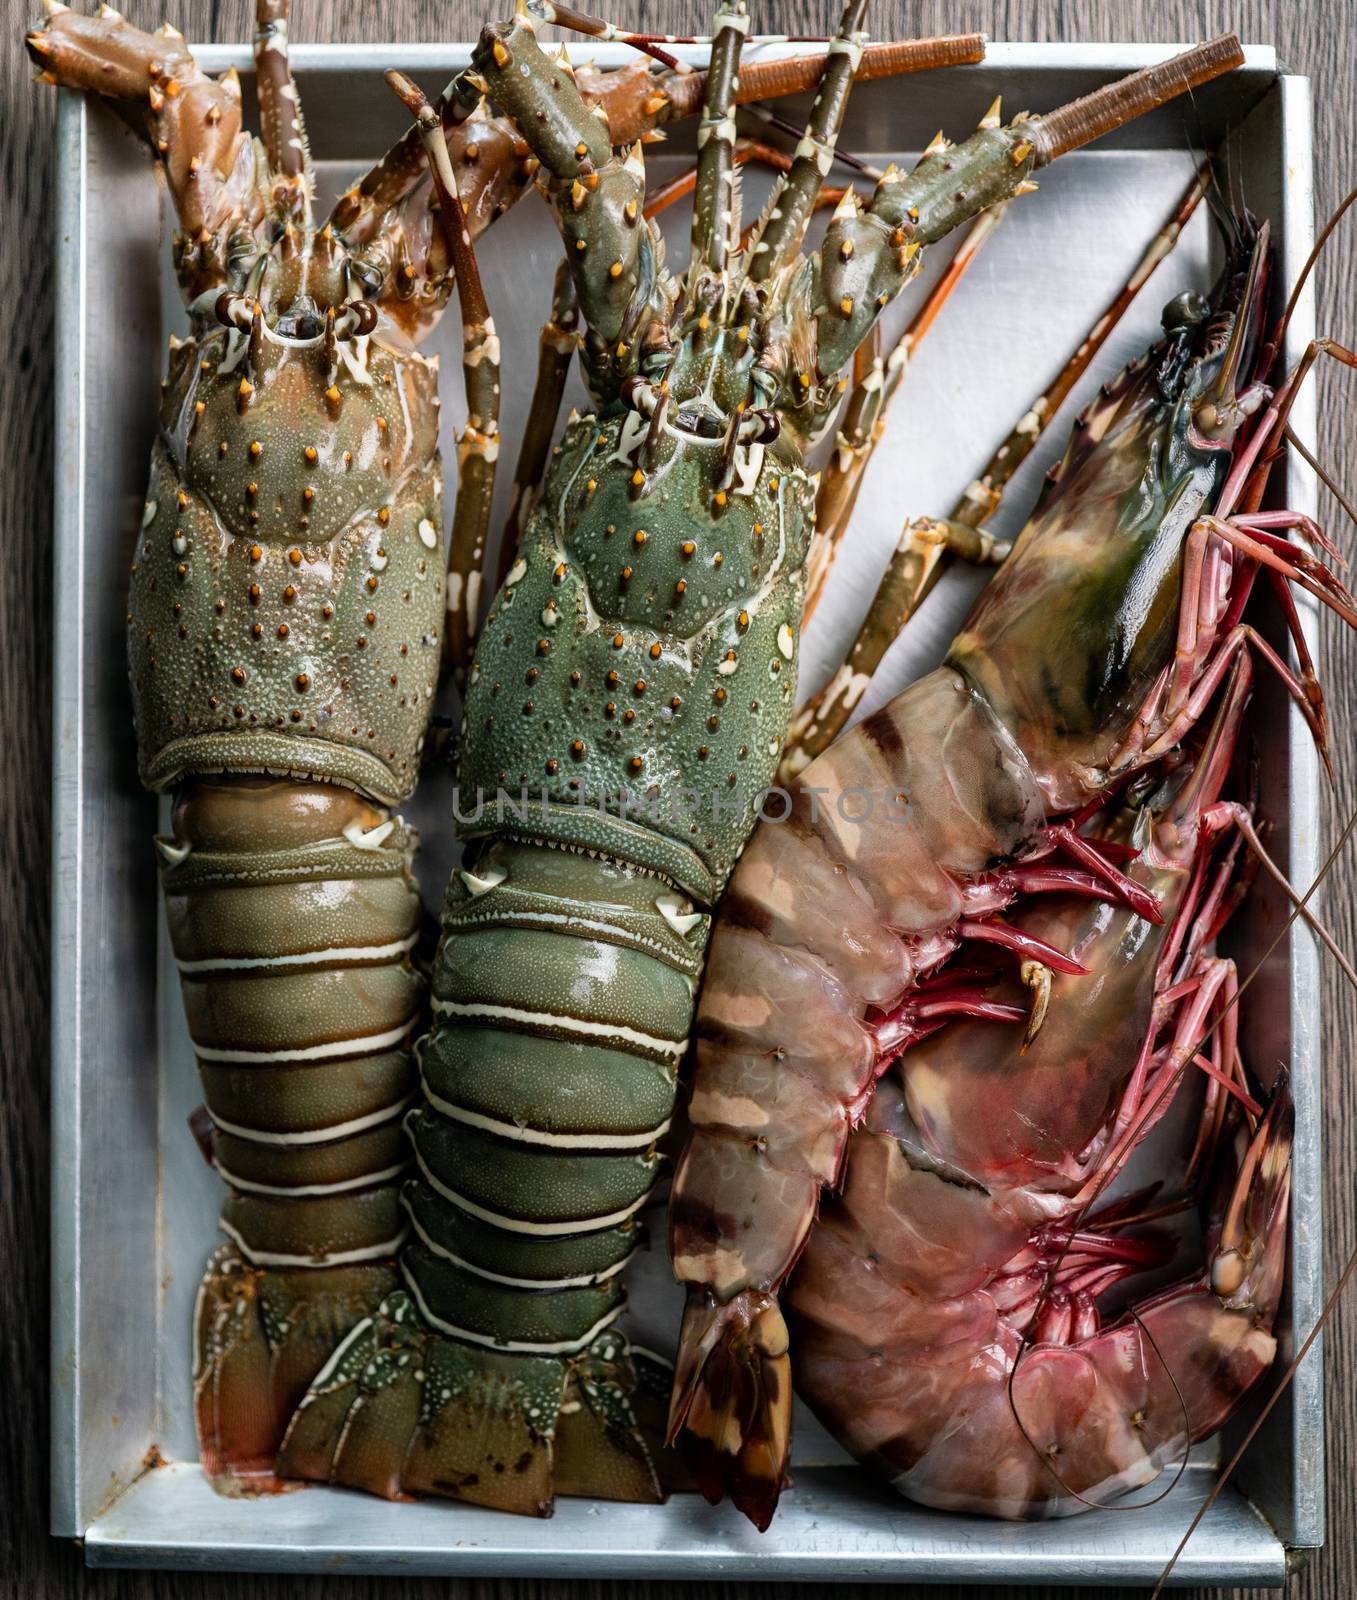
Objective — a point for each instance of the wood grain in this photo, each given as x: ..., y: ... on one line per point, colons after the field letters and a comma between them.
x: 1318, y: 37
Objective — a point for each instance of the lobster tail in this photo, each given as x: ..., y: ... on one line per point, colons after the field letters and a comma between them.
x: 561, y: 996
x: 292, y: 915
x: 401, y: 1409
x: 733, y: 1401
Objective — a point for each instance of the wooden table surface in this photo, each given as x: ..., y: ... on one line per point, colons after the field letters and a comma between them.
x: 1318, y: 37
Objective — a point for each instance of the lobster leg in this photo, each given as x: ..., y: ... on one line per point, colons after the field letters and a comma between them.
x: 557, y: 346
x: 925, y: 545
x: 860, y: 427
x: 555, y: 350
x: 783, y: 225
x: 478, y: 446
x: 280, y: 109
x: 715, y: 206
x: 193, y: 121
x: 874, y: 386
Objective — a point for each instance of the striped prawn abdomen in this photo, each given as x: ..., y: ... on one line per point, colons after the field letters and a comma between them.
x: 292, y: 915
x: 828, y: 919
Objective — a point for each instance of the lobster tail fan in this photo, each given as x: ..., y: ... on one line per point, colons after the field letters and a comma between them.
x: 400, y: 1409
x: 733, y: 1400
x: 259, y: 1337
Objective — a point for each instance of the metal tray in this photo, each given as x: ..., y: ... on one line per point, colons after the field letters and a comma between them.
x: 134, y: 1208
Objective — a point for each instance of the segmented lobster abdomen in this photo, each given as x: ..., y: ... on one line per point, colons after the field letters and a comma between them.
x: 562, y: 996
x: 292, y: 914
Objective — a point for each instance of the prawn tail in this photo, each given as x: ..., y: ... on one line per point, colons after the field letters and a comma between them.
x: 732, y: 1400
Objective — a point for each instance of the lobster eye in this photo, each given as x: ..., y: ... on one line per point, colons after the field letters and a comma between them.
x: 1185, y: 310
x: 370, y: 276
x: 697, y: 422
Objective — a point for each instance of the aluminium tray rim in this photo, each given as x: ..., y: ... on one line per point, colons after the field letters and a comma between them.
x: 69, y: 953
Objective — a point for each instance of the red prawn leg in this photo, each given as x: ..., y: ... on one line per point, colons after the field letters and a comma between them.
x: 1123, y: 888
x: 1307, y: 527
x: 1021, y: 943
x: 1239, y: 638
x: 1194, y: 594
x: 1229, y: 813
x: 1273, y: 425
x: 1309, y: 678
x: 1159, y: 1073
x: 1281, y: 556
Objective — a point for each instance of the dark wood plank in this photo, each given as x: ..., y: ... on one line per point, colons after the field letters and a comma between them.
x: 1319, y: 38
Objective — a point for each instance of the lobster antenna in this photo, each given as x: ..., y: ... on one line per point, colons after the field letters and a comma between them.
x: 581, y: 22
x: 714, y: 204
x: 783, y: 224
x: 774, y: 80
x: 280, y: 108
x: 771, y: 119
x: 1090, y: 117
